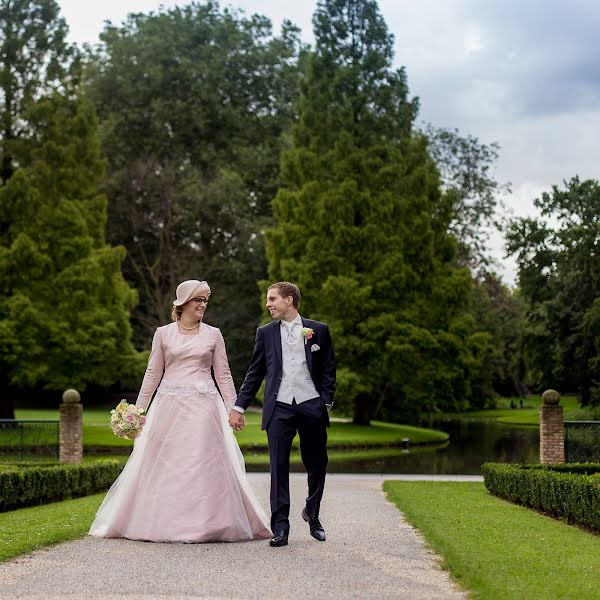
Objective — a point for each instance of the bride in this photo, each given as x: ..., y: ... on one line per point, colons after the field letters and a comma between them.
x: 185, y: 480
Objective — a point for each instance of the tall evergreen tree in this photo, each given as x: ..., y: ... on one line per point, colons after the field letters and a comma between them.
x: 363, y: 228
x: 34, y: 57
x: 64, y: 305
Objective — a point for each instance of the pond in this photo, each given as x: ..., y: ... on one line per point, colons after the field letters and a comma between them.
x: 472, y: 442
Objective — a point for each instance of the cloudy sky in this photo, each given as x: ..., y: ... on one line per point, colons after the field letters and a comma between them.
x: 524, y: 73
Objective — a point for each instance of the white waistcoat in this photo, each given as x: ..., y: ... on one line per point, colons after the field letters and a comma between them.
x: 296, y: 382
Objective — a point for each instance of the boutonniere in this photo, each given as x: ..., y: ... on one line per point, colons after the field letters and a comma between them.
x: 307, y: 334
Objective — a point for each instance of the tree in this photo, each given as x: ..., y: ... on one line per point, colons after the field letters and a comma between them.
x: 193, y: 102
x: 466, y: 168
x: 64, y: 306
x: 559, y: 277
x: 363, y: 228
x: 34, y: 59
x: 500, y: 312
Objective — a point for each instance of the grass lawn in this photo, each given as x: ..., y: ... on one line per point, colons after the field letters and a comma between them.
x: 341, y: 434
x: 349, y: 435
x: 262, y: 458
x: 27, y: 529
x: 98, y: 415
x: 528, y: 415
x: 499, y: 550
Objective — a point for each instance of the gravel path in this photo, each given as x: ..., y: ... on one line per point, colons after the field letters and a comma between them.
x: 370, y: 553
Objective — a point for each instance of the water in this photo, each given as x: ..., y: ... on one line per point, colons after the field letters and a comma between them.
x: 472, y: 443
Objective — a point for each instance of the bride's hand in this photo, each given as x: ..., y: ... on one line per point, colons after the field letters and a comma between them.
x: 236, y: 420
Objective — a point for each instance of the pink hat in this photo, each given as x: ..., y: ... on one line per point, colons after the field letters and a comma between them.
x: 186, y: 290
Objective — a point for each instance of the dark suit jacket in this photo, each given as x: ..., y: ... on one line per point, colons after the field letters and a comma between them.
x: 267, y: 363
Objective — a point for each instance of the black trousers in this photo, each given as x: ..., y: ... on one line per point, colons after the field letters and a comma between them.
x: 309, y: 420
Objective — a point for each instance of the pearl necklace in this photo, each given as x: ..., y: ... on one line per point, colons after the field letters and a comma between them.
x: 188, y: 328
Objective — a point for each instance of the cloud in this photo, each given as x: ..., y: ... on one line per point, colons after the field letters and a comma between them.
x: 524, y: 74
x: 521, y: 72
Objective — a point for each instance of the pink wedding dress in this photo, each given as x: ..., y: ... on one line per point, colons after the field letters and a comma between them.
x: 185, y: 480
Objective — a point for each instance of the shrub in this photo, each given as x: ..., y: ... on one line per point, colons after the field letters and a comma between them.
x: 570, y: 491
x: 28, y: 485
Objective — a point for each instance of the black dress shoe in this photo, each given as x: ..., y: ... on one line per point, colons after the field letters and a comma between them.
x: 279, y: 539
x: 316, y: 529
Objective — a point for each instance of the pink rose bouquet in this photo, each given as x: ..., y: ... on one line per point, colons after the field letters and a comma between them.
x: 127, y: 421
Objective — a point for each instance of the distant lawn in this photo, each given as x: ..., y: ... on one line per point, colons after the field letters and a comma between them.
x: 27, y: 529
x: 97, y: 415
x: 96, y: 431
x: 528, y: 415
x: 499, y: 550
x: 341, y: 434
x: 262, y: 458
x: 380, y: 433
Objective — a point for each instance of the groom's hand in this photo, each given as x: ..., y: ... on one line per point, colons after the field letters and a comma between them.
x: 237, y: 420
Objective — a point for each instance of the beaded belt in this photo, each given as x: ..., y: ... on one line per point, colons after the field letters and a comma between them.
x: 172, y: 389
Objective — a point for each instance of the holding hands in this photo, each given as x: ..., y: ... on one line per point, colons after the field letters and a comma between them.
x: 236, y: 420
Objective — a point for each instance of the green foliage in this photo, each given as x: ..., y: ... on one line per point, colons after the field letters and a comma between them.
x: 498, y: 550
x: 559, y: 277
x: 28, y: 485
x: 571, y: 491
x: 500, y: 313
x: 64, y: 306
x: 352, y: 64
x: 34, y: 60
x: 362, y: 228
x: 466, y: 169
x: 193, y: 102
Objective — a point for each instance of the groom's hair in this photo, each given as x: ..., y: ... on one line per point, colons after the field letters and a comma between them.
x: 287, y: 288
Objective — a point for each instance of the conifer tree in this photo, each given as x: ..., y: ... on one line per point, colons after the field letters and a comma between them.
x: 64, y: 305
x: 363, y: 228
x: 34, y: 60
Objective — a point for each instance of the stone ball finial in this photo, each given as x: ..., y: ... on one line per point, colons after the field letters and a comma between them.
x: 551, y: 397
x: 71, y: 396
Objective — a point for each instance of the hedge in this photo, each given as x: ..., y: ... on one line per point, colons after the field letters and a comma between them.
x: 570, y: 492
x: 27, y: 485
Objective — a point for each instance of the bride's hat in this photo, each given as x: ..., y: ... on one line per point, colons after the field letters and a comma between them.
x: 186, y: 290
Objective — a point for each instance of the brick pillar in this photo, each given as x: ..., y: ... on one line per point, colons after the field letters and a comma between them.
x: 71, y: 428
x: 552, y: 433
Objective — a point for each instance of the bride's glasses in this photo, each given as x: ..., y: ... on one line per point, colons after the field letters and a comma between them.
x: 200, y: 300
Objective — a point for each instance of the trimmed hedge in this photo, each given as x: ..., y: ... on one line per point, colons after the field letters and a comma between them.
x: 28, y: 485
x: 570, y: 492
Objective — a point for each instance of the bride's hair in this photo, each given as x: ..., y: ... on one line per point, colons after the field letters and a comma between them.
x: 176, y: 312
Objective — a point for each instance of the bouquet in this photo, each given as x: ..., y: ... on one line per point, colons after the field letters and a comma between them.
x: 127, y: 421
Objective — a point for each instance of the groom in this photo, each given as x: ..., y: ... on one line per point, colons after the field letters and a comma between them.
x: 295, y: 355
